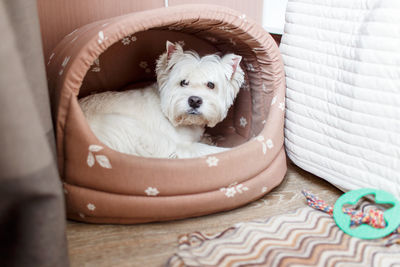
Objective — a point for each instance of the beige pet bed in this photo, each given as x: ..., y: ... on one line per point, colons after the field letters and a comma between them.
x: 105, y: 186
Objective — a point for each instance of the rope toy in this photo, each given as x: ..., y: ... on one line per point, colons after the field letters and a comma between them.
x: 372, y: 217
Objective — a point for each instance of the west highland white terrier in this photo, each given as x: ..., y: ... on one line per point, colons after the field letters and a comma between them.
x: 168, y: 118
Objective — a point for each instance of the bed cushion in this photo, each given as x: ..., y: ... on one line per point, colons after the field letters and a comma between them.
x: 105, y: 186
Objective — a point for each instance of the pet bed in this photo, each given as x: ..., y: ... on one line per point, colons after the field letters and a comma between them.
x: 343, y: 77
x: 105, y: 186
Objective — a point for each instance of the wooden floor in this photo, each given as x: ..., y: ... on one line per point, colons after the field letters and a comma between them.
x: 152, y: 244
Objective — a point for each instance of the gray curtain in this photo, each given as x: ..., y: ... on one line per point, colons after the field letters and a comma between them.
x: 32, y: 217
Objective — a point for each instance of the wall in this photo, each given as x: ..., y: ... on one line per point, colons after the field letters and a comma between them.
x: 273, y: 19
x: 60, y: 17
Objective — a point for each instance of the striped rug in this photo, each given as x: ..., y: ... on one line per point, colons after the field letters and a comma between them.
x: 306, y: 237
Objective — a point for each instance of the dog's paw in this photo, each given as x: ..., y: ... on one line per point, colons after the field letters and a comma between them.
x: 207, y: 139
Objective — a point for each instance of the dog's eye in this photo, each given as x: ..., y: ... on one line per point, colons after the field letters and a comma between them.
x: 210, y: 85
x: 184, y: 83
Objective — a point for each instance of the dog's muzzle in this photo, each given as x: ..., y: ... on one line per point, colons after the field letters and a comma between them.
x: 193, y: 111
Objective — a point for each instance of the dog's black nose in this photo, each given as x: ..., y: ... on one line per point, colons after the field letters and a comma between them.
x: 195, y: 101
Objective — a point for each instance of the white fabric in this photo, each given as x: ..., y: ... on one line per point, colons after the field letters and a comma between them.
x: 342, y: 62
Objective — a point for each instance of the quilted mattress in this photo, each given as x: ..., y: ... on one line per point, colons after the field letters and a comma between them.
x: 342, y: 63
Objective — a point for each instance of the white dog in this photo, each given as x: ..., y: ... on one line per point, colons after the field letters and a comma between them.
x: 167, y: 119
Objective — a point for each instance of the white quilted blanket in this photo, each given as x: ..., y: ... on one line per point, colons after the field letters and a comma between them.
x: 342, y: 60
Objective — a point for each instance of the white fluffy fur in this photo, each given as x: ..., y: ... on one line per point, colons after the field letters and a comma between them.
x: 157, y: 121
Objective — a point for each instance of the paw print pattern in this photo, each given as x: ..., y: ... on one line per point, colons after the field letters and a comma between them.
x: 128, y: 39
x: 144, y: 65
x: 243, y: 122
x: 250, y: 67
x: 181, y: 43
x: 246, y: 87
x: 151, y: 191
x: 212, y: 161
x: 264, y: 189
x: 91, y: 207
x: 243, y: 17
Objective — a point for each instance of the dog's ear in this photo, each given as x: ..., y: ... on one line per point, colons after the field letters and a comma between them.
x: 164, y: 64
x: 173, y: 48
x: 234, y: 72
x: 233, y: 61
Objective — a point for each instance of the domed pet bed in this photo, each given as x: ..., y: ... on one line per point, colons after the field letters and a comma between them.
x: 105, y: 186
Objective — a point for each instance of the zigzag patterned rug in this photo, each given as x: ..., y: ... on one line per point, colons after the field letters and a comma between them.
x: 306, y: 237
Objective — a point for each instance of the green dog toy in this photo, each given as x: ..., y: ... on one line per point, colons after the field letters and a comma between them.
x: 365, y: 231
